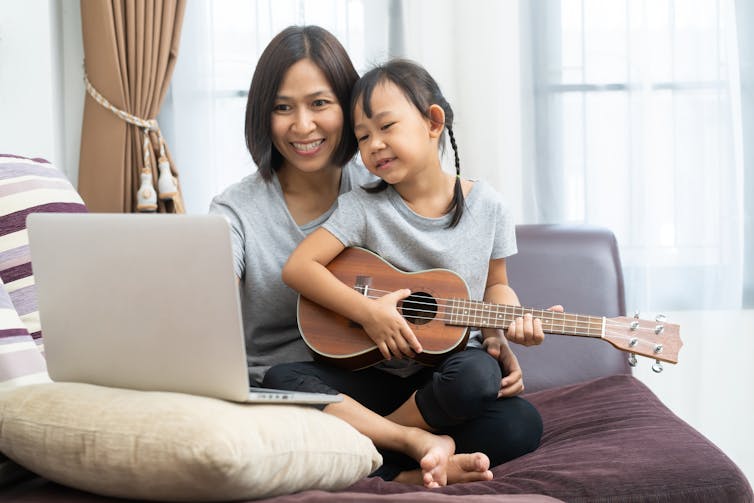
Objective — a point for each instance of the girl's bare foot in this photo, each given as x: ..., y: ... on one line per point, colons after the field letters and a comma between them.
x: 433, y: 453
x: 434, y: 463
x: 460, y: 468
x: 468, y: 468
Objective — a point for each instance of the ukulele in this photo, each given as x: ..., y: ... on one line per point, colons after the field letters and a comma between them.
x: 440, y: 313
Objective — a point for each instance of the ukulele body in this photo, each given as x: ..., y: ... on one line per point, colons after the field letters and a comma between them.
x: 342, y: 342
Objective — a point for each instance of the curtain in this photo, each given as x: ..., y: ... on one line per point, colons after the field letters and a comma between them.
x: 473, y: 52
x: 629, y: 114
x: 744, y: 21
x: 130, y: 50
x: 636, y: 126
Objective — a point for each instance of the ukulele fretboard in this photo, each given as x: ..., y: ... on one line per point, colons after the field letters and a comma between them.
x: 470, y: 313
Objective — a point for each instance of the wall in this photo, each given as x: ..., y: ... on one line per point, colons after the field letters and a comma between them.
x: 41, y: 81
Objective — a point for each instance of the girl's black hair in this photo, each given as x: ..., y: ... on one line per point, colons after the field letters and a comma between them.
x: 422, y: 91
x: 287, y: 48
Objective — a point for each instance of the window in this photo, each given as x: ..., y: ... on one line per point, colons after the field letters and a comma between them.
x: 636, y: 130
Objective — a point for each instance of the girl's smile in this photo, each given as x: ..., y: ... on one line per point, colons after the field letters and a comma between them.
x: 384, y: 163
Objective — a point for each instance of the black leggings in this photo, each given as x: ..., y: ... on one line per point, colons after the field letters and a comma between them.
x: 457, y: 398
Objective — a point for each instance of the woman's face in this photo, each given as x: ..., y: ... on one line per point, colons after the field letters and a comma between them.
x: 307, y: 119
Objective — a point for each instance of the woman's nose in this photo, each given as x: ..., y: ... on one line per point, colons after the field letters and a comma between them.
x: 303, y: 122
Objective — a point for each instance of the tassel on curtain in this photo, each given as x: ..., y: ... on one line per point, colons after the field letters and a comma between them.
x: 167, y: 184
x: 130, y: 50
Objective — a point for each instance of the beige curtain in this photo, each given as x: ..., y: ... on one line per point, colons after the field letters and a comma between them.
x: 130, y: 49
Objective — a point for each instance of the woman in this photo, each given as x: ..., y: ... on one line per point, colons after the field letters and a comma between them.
x: 299, y: 133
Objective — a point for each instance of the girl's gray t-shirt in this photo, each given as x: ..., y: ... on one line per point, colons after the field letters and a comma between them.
x: 384, y: 224
x: 263, y: 235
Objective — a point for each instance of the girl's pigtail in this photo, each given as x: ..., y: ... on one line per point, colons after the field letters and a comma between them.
x: 457, y: 204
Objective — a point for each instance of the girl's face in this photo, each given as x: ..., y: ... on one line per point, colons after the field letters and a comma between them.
x: 307, y: 119
x: 397, y: 142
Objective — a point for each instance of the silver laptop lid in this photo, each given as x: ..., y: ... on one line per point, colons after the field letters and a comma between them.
x: 140, y: 301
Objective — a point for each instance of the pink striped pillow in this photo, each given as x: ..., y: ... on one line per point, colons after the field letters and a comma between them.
x: 28, y: 186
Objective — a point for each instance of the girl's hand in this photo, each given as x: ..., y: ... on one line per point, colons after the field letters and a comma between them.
x: 512, y: 382
x: 527, y: 331
x: 389, y: 330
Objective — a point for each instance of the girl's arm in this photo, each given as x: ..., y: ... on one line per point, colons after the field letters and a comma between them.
x: 525, y: 330
x: 306, y: 272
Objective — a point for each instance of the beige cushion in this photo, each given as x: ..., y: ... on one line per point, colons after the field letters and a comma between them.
x: 171, y: 446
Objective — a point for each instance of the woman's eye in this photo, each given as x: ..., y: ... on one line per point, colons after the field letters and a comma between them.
x: 319, y: 103
x: 281, y: 107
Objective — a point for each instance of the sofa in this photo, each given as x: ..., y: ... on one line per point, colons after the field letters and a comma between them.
x: 606, y: 437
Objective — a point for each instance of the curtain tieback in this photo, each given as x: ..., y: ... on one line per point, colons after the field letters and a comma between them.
x: 167, y: 184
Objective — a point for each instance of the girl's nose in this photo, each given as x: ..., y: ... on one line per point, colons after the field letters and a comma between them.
x: 375, y: 143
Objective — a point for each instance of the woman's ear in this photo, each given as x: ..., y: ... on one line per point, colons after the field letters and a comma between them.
x: 436, y: 120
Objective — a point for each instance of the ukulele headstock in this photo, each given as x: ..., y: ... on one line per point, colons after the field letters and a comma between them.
x: 656, y: 339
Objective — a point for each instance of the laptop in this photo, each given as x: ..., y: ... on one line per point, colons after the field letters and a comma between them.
x: 144, y: 301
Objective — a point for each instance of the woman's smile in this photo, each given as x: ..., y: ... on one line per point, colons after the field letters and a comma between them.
x: 308, y: 148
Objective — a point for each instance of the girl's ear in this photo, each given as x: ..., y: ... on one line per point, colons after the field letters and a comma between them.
x: 436, y: 120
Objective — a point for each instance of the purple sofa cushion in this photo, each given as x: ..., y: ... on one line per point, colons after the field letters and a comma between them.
x: 610, y: 439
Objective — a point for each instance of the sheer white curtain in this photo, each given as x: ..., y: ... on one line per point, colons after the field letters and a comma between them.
x: 637, y: 127
x: 620, y: 113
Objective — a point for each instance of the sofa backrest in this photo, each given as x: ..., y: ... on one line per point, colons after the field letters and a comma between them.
x: 577, y: 266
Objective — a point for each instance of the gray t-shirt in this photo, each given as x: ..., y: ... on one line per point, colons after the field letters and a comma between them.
x: 263, y: 235
x: 383, y: 223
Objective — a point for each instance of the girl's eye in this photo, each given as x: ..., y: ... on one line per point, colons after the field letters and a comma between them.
x: 360, y: 139
x: 386, y: 126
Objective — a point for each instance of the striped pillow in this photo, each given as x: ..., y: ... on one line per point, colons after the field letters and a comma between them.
x: 28, y: 186
x: 20, y: 363
x: 20, y: 360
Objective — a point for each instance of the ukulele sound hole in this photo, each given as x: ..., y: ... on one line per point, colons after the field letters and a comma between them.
x: 419, y: 308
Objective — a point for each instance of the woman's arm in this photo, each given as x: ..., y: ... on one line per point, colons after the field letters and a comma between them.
x: 306, y: 272
x: 523, y: 330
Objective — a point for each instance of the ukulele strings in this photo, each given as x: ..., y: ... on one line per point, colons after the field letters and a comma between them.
x: 575, y: 326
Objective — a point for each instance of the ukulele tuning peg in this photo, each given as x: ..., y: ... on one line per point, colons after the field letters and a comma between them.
x: 660, y: 318
x: 657, y: 367
x: 634, y: 325
x: 659, y: 329
x: 636, y: 314
x: 632, y: 359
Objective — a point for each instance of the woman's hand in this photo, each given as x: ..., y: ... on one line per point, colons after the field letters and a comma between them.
x: 512, y: 382
x: 526, y: 330
x: 389, y: 330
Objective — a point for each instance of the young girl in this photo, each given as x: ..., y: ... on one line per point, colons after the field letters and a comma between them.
x: 419, y: 217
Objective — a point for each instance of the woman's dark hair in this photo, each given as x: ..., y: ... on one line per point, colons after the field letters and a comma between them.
x: 287, y: 48
x: 422, y: 91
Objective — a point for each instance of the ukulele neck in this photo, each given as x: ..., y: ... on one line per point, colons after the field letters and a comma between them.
x: 471, y: 313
